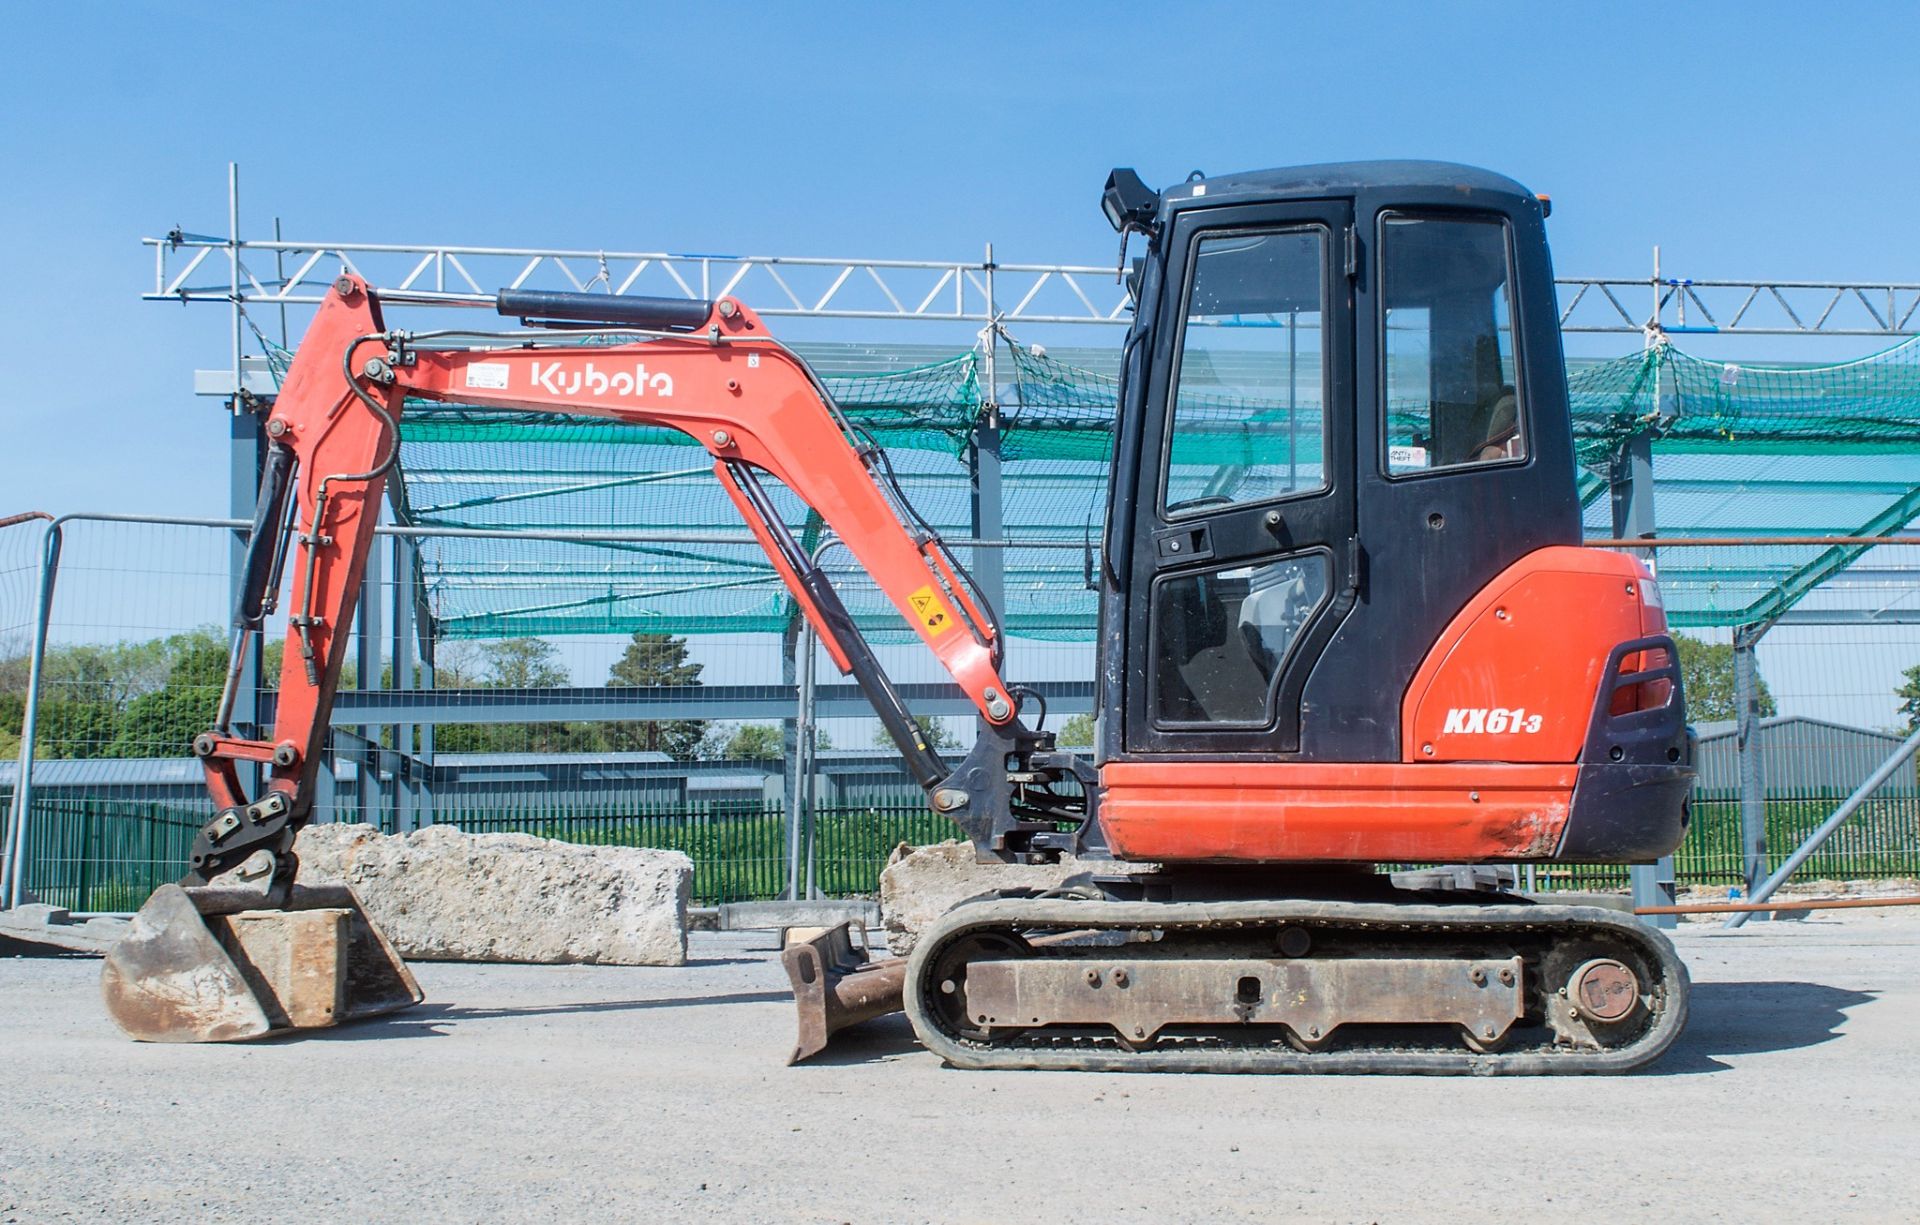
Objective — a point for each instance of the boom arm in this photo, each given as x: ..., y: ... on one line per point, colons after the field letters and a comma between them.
x: 717, y: 377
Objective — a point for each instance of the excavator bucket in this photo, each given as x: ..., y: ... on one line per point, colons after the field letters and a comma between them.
x: 836, y: 985
x: 212, y: 964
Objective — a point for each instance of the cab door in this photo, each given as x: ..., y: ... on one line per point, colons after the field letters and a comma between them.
x: 1244, y: 558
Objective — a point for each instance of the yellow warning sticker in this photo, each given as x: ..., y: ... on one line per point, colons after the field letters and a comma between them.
x: 931, y: 609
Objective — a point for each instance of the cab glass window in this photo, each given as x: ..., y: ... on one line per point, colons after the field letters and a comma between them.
x: 1452, y: 393
x: 1249, y: 410
x: 1222, y: 637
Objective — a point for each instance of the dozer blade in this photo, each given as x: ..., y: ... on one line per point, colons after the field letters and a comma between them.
x: 205, y: 964
x: 836, y: 985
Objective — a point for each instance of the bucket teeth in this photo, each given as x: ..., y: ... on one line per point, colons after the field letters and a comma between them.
x: 197, y: 965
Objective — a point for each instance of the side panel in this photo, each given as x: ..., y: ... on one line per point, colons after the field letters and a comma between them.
x: 1296, y: 812
x: 1499, y: 730
x: 1513, y: 677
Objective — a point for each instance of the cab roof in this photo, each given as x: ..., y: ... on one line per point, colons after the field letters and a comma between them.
x: 1420, y: 178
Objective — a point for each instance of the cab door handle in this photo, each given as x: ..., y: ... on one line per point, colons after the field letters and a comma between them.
x: 1179, y: 545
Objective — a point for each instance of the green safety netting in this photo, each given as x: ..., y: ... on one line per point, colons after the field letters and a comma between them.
x: 1739, y: 451
x: 1758, y: 452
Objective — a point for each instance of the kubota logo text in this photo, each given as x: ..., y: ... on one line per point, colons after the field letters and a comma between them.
x: 1493, y: 720
x: 555, y: 379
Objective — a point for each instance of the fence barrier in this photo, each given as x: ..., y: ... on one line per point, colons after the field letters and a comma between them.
x: 732, y: 751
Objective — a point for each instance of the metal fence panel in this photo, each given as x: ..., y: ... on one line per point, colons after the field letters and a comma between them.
x: 135, y: 651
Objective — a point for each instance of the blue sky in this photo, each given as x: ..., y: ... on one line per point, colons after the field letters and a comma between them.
x: 1753, y: 139
x: 1748, y: 139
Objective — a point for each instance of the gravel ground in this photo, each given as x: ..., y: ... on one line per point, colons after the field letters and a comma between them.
x: 658, y: 1094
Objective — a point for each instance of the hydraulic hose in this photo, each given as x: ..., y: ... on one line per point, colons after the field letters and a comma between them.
x: 303, y: 623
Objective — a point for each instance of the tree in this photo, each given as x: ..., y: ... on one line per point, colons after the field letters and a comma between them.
x: 15, y: 662
x: 121, y: 699
x: 64, y: 727
x: 657, y: 659
x: 163, y: 723
x: 1706, y: 671
x: 522, y: 663
x: 755, y: 742
x: 76, y: 729
x: 932, y: 730
x: 1077, y: 731
x: 763, y: 742
x: 515, y: 663
x: 1909, y: 695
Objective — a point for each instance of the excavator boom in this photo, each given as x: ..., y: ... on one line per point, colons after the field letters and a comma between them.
x: 750, y: 402
x: 710, y: 371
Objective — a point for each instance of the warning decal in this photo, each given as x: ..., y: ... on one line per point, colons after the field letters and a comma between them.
x: 931, y: 609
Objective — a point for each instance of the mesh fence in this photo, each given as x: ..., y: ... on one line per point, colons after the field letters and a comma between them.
x: 132, y: 667
x: 539, y: 734
x: 518, y: 642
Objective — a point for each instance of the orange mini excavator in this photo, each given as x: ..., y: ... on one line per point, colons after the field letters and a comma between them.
x: 1345, y: 623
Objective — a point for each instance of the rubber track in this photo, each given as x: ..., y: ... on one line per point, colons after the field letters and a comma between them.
x: 1030, y: 916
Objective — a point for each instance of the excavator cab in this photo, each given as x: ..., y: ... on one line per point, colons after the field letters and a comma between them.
x: 1344, y: 421
x: 1320, y: 360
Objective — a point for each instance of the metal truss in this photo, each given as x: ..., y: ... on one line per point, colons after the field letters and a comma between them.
x: 279, y: 273
x: 267, y: 273
x: 1675, y: 305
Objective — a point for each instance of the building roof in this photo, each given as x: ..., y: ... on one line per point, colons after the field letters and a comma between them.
x: 1720, y: 729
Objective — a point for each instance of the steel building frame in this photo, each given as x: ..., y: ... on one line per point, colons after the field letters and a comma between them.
x: 986, y: 293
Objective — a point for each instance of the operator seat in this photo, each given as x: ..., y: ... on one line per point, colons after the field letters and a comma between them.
x: 1281, y: 596
x: 1501, y: 438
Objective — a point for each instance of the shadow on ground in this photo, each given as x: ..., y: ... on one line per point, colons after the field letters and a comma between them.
x: 1756, y: 1018
x: 872, y: 1041
x: 1726, y: 1019
x: 427, y: 1020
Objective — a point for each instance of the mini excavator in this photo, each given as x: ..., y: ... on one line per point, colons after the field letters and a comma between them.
x: 1346, y: 623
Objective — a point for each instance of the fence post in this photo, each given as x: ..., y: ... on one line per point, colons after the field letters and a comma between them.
x: 90, y: 819
x: 809, y: 740
x: 986, y: 501
x: 796, y: 637
x: 13, y: 870
x: 404, y: 780
x: 424, y: 814
x: 1753, y: 783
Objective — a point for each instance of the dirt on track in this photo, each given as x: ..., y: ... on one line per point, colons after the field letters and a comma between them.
x: 607, y: 1093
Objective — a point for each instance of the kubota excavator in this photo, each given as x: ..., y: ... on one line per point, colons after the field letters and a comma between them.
x: 1345, y: 623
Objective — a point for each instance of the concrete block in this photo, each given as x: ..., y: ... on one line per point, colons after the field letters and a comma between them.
x: 443, y: 895
x: 922, y: 883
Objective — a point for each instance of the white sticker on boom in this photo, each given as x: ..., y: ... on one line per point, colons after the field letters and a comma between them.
x: 488, y: 376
